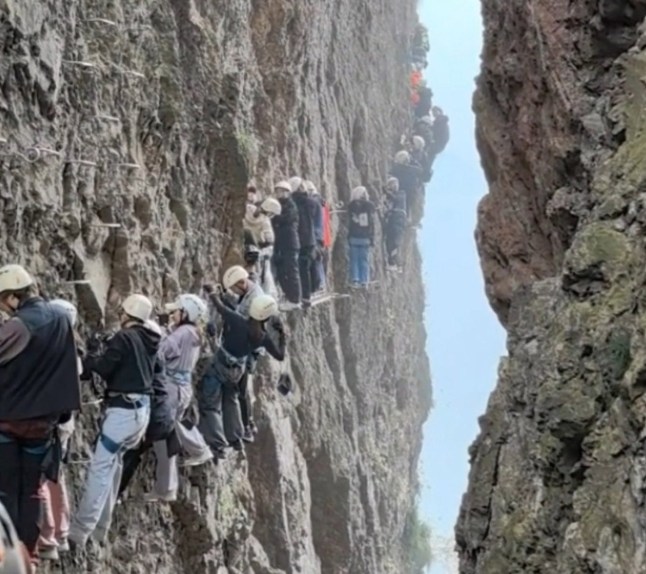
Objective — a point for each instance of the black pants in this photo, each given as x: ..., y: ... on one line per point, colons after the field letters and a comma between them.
x: 287, y: 274
x: 131, y: 461
x: 220, y: 418
x: 244, y: 396
x: 20, y: 478
x: 306, y: 263
x: 394, y: 231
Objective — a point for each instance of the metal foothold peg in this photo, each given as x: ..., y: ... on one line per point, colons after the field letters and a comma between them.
x: 42, y: 151
x: 129, y: 165
x: 80, y: 63
x: 106, y: 225
x: 3, y: 140
x: 77, y: 282
x: 84, y: 162
x: 108, y: 118
x: 101, y: 21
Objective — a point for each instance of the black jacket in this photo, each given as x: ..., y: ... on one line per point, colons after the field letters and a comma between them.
x: 128, y: 363
x: 423, y: 107
x: 43, y: 380
x: 307, y: 212
x: 362, y: 221
x: 286, y: 226
x: 440, y: 133
x: 409, y: 176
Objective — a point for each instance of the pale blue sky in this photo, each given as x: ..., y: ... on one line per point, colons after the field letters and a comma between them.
x: 465, y: 339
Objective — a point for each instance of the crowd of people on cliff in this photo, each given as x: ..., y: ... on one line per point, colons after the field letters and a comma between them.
x: 178, y: 381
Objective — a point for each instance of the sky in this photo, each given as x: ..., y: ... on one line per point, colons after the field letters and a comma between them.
x: 465, y: 339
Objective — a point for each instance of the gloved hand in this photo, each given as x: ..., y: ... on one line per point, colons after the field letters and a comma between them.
x: 211, y: 330
x: 94, y: 343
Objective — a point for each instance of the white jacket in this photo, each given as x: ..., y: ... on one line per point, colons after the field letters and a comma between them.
x: 259, y: 226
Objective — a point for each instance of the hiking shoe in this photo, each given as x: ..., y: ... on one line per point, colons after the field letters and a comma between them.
x: 63, y: 545
x: 306, y: 303
x: 154, y: 497
x: 248, y: 435
x: 289, y: 306
x: 48, y: 553
x: 205, y: 457
x: 237, y: 445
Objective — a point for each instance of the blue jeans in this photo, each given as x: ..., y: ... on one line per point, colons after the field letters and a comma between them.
x: 359, y: 260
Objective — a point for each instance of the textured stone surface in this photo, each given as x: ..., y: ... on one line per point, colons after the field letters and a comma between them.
x: 557, y: 478
x: 184, y: 101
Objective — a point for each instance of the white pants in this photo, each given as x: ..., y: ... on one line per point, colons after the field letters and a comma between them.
x: 191, y: 441
x: 122, y: 429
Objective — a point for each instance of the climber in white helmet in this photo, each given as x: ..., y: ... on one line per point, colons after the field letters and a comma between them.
x: 242, y: 292
x: 361, y: 232
x: 127, y: 366
x: 39, y: 389
x: 220, y: 418
x: 178, y: 354
x: 55, y: 517
x: 409, y: 174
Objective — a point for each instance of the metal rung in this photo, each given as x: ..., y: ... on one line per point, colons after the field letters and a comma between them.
x: 84, y: 162
x: 108, y: 225
x: 129, y: 165
x: 92, y: 403
x: 81, y: 63
x: 77, y: 282
x: 3, y: 140
x: 43, y: 150
x: 102, y: 21
x: 108, y: 118
x: 126, y: 71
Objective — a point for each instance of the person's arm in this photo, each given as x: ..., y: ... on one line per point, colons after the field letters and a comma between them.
x: 104, y: 365
x: 266, y: 233
x: 275, y: 340
x: 371, y: 223
x: 14, y: 338
x: 169, y: 347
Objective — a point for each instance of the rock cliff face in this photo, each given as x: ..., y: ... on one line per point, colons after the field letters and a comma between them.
x: 153, y: 115
x: 557, y: 479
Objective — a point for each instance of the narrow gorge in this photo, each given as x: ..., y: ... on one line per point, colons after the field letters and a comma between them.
x: 558, y: 471
x: 128, y: 133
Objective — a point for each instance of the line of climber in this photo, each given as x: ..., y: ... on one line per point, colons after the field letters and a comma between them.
x: 147, y: 372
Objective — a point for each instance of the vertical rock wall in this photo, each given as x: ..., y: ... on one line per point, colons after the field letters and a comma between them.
x: 153, y: 115
x: 557, y: 479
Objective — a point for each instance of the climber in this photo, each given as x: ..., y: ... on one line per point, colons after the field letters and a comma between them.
x: 422, y: 155
x: 220, y: 418
x: 39, y: 389
x: 361, y: 231
x: 55, y: 522
x: 424, y: 127
x: 178, y: 354
x: 394, y: 222
x: 440, y: 131
x: 251, y: 207
x: 244, y: 291
x: 409, y: 175
x: 307, y: 215
x: 287, y: 247
x: 259, y: 232
x: 417, y: 149
x: 323, y: 235
x: 425, y: 101
x: 127, y: 366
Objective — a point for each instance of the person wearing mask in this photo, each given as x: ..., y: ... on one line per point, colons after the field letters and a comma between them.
x: 361, y: 232
x: 307, y: 215
x: 242, y: 291
x: 287, y: 247
x: 220, y: 419
x: 39, y: 389
x: 127, y: 366
x: 321, y: 231
x: 55, y: 520
x: 178, y: 354
x: 260, y: 233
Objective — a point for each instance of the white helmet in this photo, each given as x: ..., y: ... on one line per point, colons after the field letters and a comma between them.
x: 284, y: 185
x: 402, y: 156
x: 14, y: 278
x: 262, y: 307
x: 67, y: 307
x: 271, y: 205
x: 311, y: 188
x: 419, y: 143
x: 192, y: 305
x: 295, y: 183
x: 359, y: 192
x: 392, y: 184
x: 138, y: 307
x: 232, y: 275
x: 153, y: 326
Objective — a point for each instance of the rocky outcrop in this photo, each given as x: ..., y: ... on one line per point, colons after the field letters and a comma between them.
x: 129, y: 131
x: 557, y: 478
